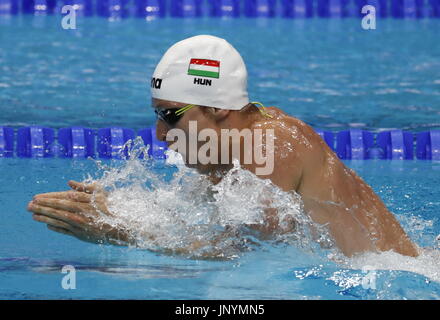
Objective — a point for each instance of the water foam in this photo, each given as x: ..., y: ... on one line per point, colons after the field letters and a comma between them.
x: 426, y: 264
x: 168, y: 213
x: 172, y: 213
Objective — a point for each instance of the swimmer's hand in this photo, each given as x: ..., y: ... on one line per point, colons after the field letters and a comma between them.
x: 75, y: 213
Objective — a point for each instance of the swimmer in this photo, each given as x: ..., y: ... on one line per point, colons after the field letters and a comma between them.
x: 203, y: 79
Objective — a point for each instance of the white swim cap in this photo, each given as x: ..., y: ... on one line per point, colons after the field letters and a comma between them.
x: 202, y: 70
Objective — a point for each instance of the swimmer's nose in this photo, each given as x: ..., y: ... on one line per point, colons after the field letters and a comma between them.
x: 161, y: 130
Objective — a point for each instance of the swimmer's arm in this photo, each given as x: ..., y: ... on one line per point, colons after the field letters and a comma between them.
x: 287, y: 174
x: 75, y: 213
x: 70, y: 213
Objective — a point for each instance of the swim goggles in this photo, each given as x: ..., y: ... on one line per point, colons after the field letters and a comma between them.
x: 172, y: 116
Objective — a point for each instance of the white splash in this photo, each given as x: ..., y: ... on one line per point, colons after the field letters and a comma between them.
x: 426, y: 264
x: 168, y: 214
x: 173, y: 214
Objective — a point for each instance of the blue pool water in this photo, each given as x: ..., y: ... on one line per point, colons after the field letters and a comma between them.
x: 31, y: 257
x: 330, y: 73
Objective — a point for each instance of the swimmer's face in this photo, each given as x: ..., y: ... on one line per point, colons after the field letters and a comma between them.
x: 204, y: 117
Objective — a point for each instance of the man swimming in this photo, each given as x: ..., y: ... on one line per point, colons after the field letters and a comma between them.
x: 203, y: 80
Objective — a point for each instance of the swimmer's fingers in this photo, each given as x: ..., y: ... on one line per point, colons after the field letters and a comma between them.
x: 55, y: 195
x: 62, y: 204
x: 77, y: 225
x: 55, y: 225
x: 95, y: 205
x: 64, y: 228
x: 80, y: 196
x: 60, y: 230
x: 70, y: 218
x: 88, y: 188
x: 99, y: 198
x: 51, y: 222
x: 71, y: 194
x: 99, y: 202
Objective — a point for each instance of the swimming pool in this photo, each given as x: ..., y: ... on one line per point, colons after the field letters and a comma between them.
x: 329, y: 73
x: 32, y: 256
x: 322, y: 71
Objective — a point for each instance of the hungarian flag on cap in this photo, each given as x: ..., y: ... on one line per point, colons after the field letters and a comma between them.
x: 204, y: 68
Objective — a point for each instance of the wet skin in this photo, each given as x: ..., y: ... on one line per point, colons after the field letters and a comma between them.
x: 333, y: 194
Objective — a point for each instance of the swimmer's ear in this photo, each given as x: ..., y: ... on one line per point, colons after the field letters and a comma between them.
x: 217, y: 114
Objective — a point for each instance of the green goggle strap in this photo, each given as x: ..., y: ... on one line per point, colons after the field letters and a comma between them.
x: 180, y: 111
x: 263, y: 109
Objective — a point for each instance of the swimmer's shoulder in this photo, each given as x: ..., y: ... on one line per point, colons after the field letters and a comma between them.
x: 286, y: 123
x: 289, y: 121
x: 294, y: 139
x: 303, y: 138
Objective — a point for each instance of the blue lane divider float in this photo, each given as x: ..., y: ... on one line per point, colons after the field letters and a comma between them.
x: 406, y: 8
x: 6, y: 142
x: 79, y: 142
x: 76, y: 142
x: 341, y: 8
x: 260, y: 8
x: 112, y: 140
x: 433, y: 7
x: 414, y: 8
x: 8, y: 7
x: 409, y: 9
x: 395, y: 144
x: 38, y: 7
x: 82, y: 7
x: 113, y: 9
x: 297, y: 9
x: 354, y: 144
x: 381, y: 7
x: 330, y: 8
x: 27, y: 6
x: 186, y: 8
x: 428, y: 145
x: 157, y: 148
x: 225, y: 8
x: 35, y: 141
x: 148, y: 9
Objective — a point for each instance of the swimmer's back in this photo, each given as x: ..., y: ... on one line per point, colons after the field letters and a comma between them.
x: 333, y: 194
